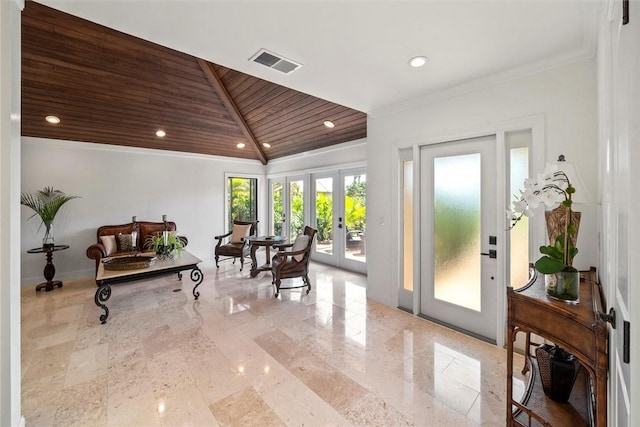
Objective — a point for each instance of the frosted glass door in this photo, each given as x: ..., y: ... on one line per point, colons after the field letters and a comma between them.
x: 458, y: 207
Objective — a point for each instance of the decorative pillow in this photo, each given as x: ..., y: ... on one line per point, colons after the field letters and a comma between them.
x: 124, y: 242
x: 109, y: 243
x: 301, y: 243
x: 240, y: 232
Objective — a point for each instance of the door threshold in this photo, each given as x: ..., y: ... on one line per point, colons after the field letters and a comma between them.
x: 458, y: 329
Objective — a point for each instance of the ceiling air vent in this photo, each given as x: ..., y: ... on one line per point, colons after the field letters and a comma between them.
x: 275, y: 61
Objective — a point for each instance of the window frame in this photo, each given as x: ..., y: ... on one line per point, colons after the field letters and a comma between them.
x: 227, y: 196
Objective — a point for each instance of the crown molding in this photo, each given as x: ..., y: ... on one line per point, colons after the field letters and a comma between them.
x: 586, y: 52
x: 320, y: 151
x: 94, y: 146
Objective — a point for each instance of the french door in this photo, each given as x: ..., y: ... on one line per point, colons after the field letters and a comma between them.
x: 324, y: 217
x: 458, y: 235
x: 288, y: 206
x: 338, y: 212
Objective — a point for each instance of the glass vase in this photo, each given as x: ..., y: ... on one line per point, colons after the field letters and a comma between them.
x: 48, y: 240
x: 564, y: 286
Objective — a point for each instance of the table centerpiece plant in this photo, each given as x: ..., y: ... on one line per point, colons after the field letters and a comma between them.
x: 46, y: 203
x: 164, y: 243
x: 552, y: 189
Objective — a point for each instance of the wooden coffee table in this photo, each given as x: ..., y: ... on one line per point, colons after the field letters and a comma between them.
x: 177, y: 264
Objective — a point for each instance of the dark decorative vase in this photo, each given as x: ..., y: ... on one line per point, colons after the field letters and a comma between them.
x: 558, y: 371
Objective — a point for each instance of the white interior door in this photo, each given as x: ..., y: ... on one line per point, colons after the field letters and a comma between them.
x: 458, y: 218
x: 620, y: 194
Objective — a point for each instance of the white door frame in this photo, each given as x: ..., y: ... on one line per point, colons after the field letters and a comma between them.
x: 318, y: 256
x: 536, y: 124
x: 343, y: 261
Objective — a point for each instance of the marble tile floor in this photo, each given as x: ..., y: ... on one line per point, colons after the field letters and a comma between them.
x: 239, y: 357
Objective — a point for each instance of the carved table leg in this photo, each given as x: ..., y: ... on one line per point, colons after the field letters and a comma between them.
x: 102, y: 295
x: 197, y: 277
x: 254, y: 262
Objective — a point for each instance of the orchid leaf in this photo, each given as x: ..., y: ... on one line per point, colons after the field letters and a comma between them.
x: 551, y: 251
x: 548, y: 265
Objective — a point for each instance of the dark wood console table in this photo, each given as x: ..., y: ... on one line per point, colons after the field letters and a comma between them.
x: 49, y: 268
x: 578, y: 329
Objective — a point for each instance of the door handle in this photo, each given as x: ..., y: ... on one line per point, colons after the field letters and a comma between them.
x: 491, y: 254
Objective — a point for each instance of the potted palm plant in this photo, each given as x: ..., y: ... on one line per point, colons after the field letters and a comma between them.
x: 46, y: 203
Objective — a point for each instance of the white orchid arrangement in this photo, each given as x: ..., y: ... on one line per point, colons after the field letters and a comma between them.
x: 550, y: 188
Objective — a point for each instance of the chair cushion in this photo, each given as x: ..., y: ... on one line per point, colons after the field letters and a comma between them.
x: 301, y: 243
x: 240, y: 232
x: 230, y: 249
x: 109, y: 243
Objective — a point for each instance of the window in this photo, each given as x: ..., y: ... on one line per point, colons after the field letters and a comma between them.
x: 407, y: 224
x: 518, y: 143
x: 242, y: 199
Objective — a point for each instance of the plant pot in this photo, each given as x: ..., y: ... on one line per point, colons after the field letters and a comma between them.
x: 558, y: 371
x: 564, y: 286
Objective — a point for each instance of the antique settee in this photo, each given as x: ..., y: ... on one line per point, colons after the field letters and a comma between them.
x: 114, y: 240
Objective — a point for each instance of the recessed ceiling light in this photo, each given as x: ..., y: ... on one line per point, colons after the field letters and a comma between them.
x: 329, y: 124
x: 53, y: 119
x: 266, y: 145
x: 418, y: 61
x: 240, y: 145
x: 160, y: 133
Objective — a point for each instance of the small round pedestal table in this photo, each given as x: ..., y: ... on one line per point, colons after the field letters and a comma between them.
x: 267, y: 242
x: 49, y: 268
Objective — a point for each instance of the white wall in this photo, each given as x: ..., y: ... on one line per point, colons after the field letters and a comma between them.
x: 114, y: 184
x: 566, y: 97
x: 10, y: 369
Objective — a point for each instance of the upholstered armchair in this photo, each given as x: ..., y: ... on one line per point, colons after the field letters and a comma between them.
x: 292, y: 260
x: 234, y: 244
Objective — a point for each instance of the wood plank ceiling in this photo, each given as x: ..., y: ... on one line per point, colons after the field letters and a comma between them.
x: 112, y: 88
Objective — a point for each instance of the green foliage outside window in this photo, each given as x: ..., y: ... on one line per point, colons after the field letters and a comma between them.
x: 278, y: 209
x: 296, y: 197
x: 324, y: 216
x: 355, y: 209
x: 243, y: 199
x: 356, y: 205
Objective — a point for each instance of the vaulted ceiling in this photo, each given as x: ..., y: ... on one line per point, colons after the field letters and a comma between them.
x: 354, y: 54
x: 112, y: 88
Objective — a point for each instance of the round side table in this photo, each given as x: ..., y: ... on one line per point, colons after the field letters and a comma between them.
x: 267, y: 242
x: 49, y: 268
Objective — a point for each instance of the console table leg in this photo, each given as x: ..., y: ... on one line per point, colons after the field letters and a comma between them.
x: 102, y: 295
x: 197, y: 277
